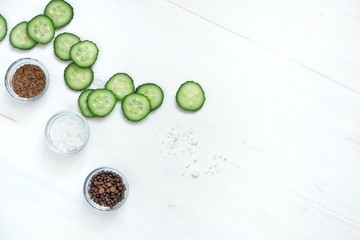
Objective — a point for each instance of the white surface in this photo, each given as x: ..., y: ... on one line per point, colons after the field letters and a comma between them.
x: 283, y: 107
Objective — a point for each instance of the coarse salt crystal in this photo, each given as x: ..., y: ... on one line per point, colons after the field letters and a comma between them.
x: 195, y: 174
x: 68, y: 133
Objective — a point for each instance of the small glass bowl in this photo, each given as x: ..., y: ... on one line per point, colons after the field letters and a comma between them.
x: 53, y: 125
x: 87, y: 185
x: 12, y: 69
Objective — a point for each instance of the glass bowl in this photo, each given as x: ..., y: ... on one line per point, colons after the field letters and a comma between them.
x: 12, y: 69
x: 87, y: 186
x: 67, y: 133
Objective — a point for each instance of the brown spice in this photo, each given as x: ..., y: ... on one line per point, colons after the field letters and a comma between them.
x: 101, y: 190
x: 107, y: 189
x: 28, y: 81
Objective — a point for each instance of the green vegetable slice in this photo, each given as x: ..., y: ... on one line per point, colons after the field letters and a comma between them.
x: 41, y: 29
x: 82, y: 101
x: 19, y: 38
x: 78, y: 78
x: 101, y: 102
x: 63, y: 43
x: 84, y: 53
x: 3, y: 27
x: 153, y: 92
x: 190, y: 96
x: 60, y: 12
x: 135, y: 107
x: 121, y: 84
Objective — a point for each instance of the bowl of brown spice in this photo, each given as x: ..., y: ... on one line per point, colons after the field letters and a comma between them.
x: 26, y: 80
x: 106, y: 189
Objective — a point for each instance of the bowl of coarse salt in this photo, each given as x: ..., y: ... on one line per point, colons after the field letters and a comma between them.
x: 67, y: 133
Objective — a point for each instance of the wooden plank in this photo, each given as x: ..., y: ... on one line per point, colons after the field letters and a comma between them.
x: 285, y: 139
x: 320, y: 36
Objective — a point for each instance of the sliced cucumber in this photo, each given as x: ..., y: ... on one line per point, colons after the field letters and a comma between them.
x: 135, y: 107
x: 3, y: 27
x: 153, y: 92
x: 121, y: 84
x: 60, y: 12
x: 190, y: 96
x: 78, y: 78
x: 82, y: 101
x: 41, y: 29
x: 19, y: 37
x: 84, y: 53
x: 101, y: 102
x: 63, y: 43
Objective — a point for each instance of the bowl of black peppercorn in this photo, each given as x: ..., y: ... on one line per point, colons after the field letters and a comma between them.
x: 106, y: 189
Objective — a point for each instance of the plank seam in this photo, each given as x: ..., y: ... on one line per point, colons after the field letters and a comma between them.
x: 263, y: 46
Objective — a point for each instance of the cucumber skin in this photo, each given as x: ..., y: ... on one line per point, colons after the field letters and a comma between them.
x: 65, y: 59
x: 153, y: 84
x: 6, y: 28
x: 81, y: 109
x: 72, y: 13
x: 187, y: 109
x: 41, y: 15
x: 17, y: 47
x: 97, y: 54
x: 122, y: 108
x: 101, y: 116
x: 75, y: 88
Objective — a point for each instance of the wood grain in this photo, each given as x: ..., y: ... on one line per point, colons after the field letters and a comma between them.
x: 281, y: 124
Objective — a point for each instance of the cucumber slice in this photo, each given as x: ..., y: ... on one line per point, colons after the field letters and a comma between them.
x: 121, y: 84
x: 41, y: 29
x: 3, y: 27
x: 190, y: 96
x: 84, y: 53
x: 153, y: 92
x: 19, y: 37
x: 82, y: 101
x: 63, y: 43
x: 60, y: 12
x: 135, y: 107
x: 101, y: 102
x: 78, y: 78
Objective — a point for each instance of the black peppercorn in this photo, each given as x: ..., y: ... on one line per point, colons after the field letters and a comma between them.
x: 107, y: 189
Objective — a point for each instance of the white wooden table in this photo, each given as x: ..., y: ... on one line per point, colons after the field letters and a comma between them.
x: 276, y: 146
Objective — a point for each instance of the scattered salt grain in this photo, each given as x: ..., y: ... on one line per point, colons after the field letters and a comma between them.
x: 183, y: 144
x: 195, y: 174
